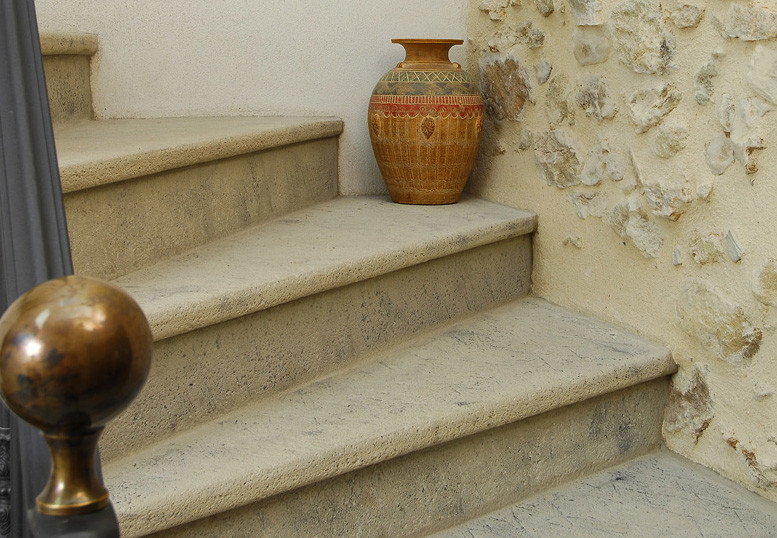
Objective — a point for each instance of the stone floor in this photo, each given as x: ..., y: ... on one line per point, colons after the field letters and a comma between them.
x: 659, y: 494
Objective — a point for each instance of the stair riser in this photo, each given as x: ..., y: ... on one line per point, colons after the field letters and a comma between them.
x: 120, y: 227
x: 198, y: 375
x: 438, y: 487
x: 69, y: 87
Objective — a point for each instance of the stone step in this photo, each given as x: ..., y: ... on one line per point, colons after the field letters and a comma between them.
x: 656, y: 495
x: 451, y: 424
x: 140, y: 190
x: 289, y: 300
x: 66, y: 64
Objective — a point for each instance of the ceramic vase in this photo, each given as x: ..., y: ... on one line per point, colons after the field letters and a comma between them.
x: 425, y: 122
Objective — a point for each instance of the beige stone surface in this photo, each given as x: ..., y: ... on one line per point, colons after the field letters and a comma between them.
x: 656, y: 495
x: 440, y: 486
x: 68, y: 43
x: 69, y: 87
x: 510, y: 363
x: 200, y: 374
x: 702, y: 170
x: 119, y: 227
x: 66, y: 63
x: 97, y: 153
x: 332, y: 244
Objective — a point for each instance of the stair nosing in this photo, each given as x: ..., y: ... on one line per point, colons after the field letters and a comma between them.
x: 648, y: 362
x: 185, y: 313
x: 87, y: 173
x: 68, y: 44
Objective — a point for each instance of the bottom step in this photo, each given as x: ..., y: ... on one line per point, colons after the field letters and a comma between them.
x: 459, y: 421
x: 659, y: 495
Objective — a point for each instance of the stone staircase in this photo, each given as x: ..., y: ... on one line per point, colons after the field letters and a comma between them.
x: 328, y: 365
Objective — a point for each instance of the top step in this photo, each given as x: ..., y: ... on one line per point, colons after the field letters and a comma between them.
x: 141, y: 190
x: 66, y: 62
x: 92, y: 154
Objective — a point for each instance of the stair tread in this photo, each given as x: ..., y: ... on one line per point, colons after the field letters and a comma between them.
x: 513, y: 362
x: 93, y: 153
x: 68, y: 43
x: 331, y: 244
x: 659, y: 495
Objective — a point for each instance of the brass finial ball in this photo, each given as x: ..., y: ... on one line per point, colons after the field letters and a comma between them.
x: 74, y: 352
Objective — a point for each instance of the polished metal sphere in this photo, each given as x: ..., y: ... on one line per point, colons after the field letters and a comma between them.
x: 74, y: 352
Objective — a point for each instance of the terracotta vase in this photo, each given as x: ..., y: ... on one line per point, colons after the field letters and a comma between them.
x: 425, y: 122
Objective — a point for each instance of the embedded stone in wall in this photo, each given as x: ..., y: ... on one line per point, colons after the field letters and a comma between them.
x: 599, y: 163
x: 594, y: 98
x: 717, y: 323
x: 586, y: 12
x: 765, y: 283
x: 542, y: 70
x: 733, y: 249
x: 630, y: 222
x: 669, y: 201
x: 506, y: 86
x: 704, y: 86
x: 727, y: 112
x: 690, y: 404
x: 591, y: 44
x: 497, y: 9
x: 763, y: 476
x: 677, y: 256
x: 524, y: 34
x: 531, y: 36
x: 588, y: 204
x: 614, y: 166
x: 720, y: 154
x: 762, y: 391
x: 750, y: 23
x: 525, y: 140
x: 648, y: 107
x: 545, y: 7
x: 558, y: 158
x: 557, y: 106
x: 593, y: 170
x: 704, y: 191
x: 573, y: 240
x: 643, y: 42
x: 638, y: 173
x: 749, y: 130
x: 687, y: 16
x: 707, y: 248
x: 762, y: 76
x: 670, y: 140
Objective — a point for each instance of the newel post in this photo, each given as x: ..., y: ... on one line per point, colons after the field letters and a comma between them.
x: 74, y: 352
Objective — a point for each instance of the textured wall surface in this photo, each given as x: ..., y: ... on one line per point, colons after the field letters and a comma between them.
x: 644, y: 134
x: 248, y: 57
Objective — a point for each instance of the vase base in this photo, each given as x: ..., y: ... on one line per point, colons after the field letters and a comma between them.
x: 424, y: 199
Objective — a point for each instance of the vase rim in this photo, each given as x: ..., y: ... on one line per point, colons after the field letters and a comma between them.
x: 433, y: 41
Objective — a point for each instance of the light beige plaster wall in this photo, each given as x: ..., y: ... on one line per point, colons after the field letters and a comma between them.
x: 679, y: 247
x: 252, y: 57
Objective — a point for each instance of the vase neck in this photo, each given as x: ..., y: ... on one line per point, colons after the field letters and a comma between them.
x: 428, y: 53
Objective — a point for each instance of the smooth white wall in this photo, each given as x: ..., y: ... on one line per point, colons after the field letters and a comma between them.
x: 253, y: 57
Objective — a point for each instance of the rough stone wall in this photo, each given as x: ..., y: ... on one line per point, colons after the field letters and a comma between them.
x: 644, y: 134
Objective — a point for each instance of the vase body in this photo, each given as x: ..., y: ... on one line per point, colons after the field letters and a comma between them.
x: 425, y: 121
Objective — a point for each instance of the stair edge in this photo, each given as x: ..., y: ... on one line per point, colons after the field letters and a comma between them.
x: 649, y: 365
x: 82, y: 176
x: 68, y: 43
x: 187, y: 316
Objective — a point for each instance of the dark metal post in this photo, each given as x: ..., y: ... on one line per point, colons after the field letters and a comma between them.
x: 33, y: 246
